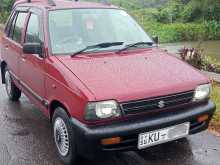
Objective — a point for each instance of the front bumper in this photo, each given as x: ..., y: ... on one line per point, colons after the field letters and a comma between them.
x: 88, y: 139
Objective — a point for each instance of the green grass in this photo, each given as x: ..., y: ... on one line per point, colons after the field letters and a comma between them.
x: 178, y: 32
x: 210, y: 64
x: 216, y: 98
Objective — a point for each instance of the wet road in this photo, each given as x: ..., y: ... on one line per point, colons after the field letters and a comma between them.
x: 26, y: 139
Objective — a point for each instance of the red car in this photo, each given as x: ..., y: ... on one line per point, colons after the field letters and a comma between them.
x: 100, y: 79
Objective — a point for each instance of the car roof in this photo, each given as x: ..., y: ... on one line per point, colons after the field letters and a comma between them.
x: 62, y: 4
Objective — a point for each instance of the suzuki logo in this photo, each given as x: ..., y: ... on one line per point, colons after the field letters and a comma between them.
x: 161, y: 104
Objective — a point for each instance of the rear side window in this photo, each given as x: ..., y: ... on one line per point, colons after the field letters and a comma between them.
x: 33, y: 30
x: 11, y: 29
x: 19, y: 26
x: 10, y: 20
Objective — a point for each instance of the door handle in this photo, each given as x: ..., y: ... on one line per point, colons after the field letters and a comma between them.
x: 6, y: 46
x: 23, y: 58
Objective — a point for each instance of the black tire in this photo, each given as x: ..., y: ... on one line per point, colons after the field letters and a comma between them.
x: 70, y: 157
x: 14, y: 93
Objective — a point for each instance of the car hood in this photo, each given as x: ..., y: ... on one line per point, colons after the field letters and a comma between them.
x: 134, y: 75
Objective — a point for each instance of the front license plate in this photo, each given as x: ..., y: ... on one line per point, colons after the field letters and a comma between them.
x: 163, y: 135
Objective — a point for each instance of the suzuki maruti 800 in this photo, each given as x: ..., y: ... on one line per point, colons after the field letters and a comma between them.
x: 99, y: 78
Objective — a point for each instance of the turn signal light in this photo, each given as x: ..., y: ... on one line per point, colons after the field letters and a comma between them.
x: 202, y: 118
x: 110, y: 141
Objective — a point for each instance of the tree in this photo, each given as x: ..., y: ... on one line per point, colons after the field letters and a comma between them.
x: 211, y: 10
x: 171, y: 12
x: 6, y: 5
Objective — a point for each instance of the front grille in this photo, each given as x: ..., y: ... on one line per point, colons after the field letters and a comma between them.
x: 149, y: 105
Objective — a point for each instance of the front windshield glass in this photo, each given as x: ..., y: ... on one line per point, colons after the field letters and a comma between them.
x: 74, y: 29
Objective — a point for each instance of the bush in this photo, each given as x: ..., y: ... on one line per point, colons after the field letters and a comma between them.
x: 145, y: 15
x: 196, y: 58
x: 212, y: 30
x: 3, y: 17
x: 190, y: 13
x: 5, y: 7
x: 178, y: 32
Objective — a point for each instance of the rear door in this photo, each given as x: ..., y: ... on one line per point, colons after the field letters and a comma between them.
x: 32, y: 65
x: 11, y: 43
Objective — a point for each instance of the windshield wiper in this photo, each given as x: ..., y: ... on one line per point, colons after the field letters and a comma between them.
x: 135, y: 45
x: 101, y: 45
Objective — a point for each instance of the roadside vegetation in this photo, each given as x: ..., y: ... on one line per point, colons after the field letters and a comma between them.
x: 182, y: 20
x: 197, y: 58
x: 216, y: 98
x: 178, y: 32
x: 176, y: 20
x: 5, y: 8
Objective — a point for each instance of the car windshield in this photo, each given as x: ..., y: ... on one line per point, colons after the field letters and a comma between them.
x: 74, y: 29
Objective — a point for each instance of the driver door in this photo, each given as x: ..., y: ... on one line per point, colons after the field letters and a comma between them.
x: 32, y: 66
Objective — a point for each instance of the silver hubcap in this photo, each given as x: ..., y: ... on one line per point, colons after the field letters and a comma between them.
x: 61, y: 136
x: 8, y: 83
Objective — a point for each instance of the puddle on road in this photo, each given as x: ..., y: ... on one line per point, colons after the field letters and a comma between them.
x: 23, y: 132
x: 13, y: 119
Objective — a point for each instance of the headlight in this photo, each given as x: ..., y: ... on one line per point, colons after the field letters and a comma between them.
x: 202, y: 92
x: 102, y: 110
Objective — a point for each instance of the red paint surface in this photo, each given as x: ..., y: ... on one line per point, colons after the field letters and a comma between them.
x: 60, y: 4
x: 134, y: 75
x: 74, y: 81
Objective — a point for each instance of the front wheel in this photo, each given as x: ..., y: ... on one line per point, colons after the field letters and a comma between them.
x: 14, y: 93
x: 63, y: 136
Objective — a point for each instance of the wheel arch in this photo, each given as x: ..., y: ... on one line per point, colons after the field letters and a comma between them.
x: 55, y: 104
x: 3, y: 66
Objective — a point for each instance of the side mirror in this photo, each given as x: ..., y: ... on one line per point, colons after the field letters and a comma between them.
x: 33, y: 48
x: 156, y: 40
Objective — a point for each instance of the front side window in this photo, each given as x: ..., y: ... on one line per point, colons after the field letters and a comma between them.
x: 33, y: 30
x: 19, y: 26
x: 86, y: 27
